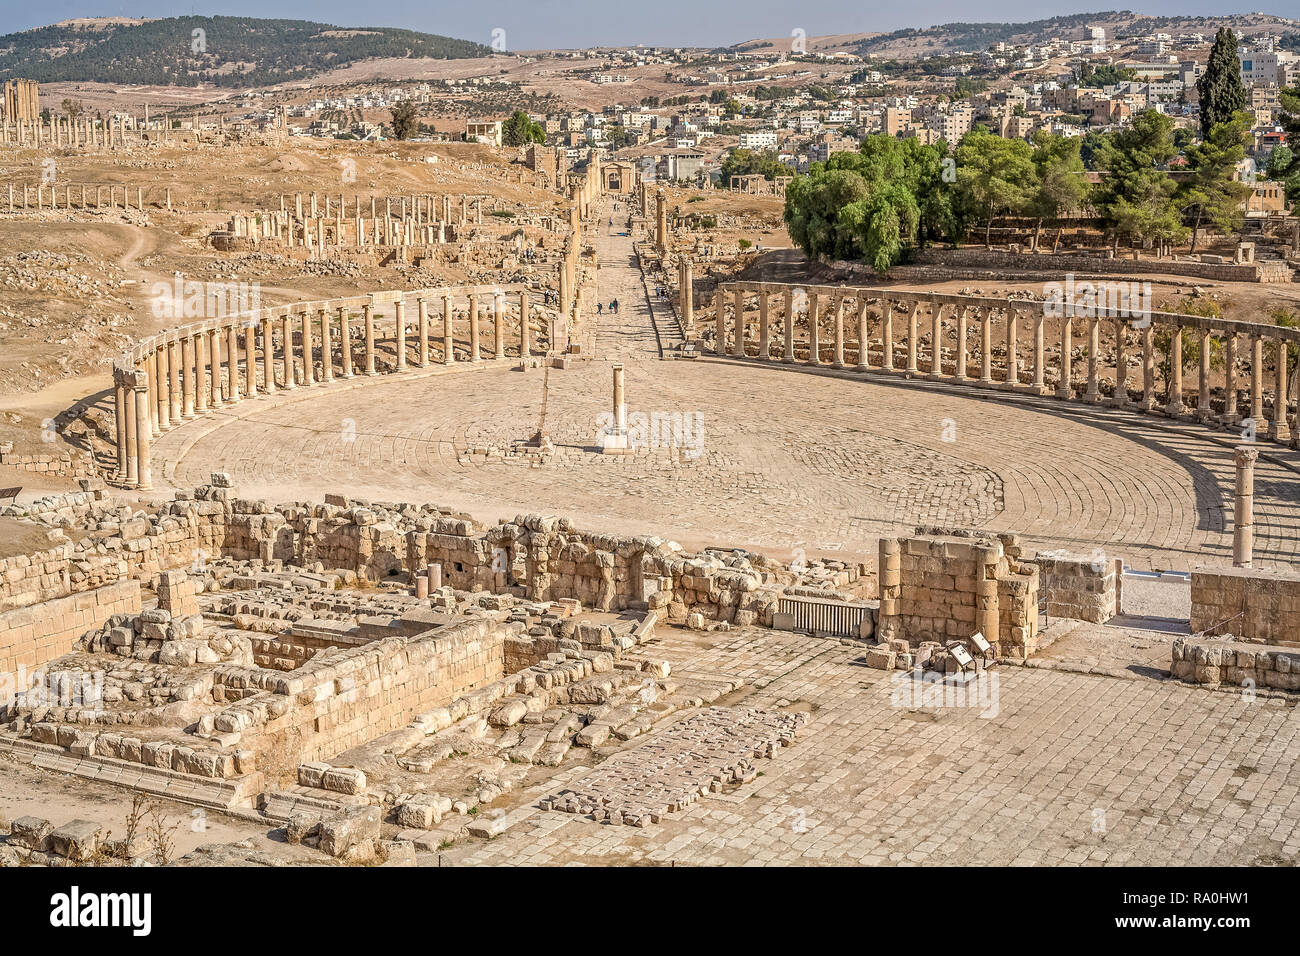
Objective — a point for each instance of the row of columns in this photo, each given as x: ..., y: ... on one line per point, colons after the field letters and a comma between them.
x: 64, y: 131
x: 422, y: 208
x: 187, y: 370
x: 959, y: 319
x: 85, y: 201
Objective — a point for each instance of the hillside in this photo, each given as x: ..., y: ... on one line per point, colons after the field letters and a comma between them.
x: 231, y: 51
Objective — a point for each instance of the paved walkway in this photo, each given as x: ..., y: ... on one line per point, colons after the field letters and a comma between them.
x: 782, y: 458
x: 1061, y: 769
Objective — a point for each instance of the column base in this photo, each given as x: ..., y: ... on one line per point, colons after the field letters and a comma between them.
x: 787, y: 360
x: 1177, y: 410
x: 1281, y: 433
x: 861, y: 368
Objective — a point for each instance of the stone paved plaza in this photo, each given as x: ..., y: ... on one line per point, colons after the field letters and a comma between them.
x: 1074, y: 769
x: 788, y: 459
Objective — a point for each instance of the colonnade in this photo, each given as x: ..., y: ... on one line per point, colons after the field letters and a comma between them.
x: 901, y: 332
x: 188, y: 372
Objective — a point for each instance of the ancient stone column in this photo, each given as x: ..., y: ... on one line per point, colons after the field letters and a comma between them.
x: 368, y: 315
x: 913, y: 346
x: 1280, y: 429
x: 286, y: 354
x: 887, y: 336
x: 1012, y: 377
x: 1094, y: 343
x: 764, y: 327
x: 133, y: 425
x: 119, y: 423
x: 837, y: 349
x: 720, y: 323
x: 525, y: 326
x: 473, y: 329
x: 232, y: 363
x: 864, y: 352
x: 661, y: 231
x: 1203, y: 413
x: 1243, y: 514
x: 936, y: 342
x: 326, y: 346
x: 187, y: 383
x: 174, y: 382
x: 1120, y: 398
x: 143, y: 468
x: 1230, y: 416
x: 1040, y: 356
x: 962, y: 330
x: 814, y: 329
x: 787, y: 355
x: 422, y: 316
x: 738, y: 345
x: 201, y: 372
x: 1174, y: 406
x: 448, y: 346
x: 499, y: 325
x: 986, y: 593
x: 1064, y: 388
x: 399, y: 325
x: 889, y: 579
x: 250, y: 358
x: 1148, y: 400
x: 214, y: 361
x: 308, y: 348
x: 1257, y: 384
x: 687, y: 296
x: 345, y: 342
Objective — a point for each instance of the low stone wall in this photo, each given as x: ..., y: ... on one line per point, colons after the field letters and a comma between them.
x: 1080, y: 587
x: 32, y: 636
x: 1251, y: 604
x: 1065, y: 262
x: 1236, y: 663
x: 64, y: 465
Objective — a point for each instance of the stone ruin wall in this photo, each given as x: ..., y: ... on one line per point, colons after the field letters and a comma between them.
x: 31, y: 636
x: 1254, y: 605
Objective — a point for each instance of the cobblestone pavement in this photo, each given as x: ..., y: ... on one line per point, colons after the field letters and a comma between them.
x: 1073, y: 769
x: 787, y: 458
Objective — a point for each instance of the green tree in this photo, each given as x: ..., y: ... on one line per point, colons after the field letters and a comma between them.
x: 995, y: 176
x: 520, y: 128
x: 751, y: 162
x: 1136, y: 194
x: 1212, y: 192
x: 873, y: 204
x: 404, y: 119
x: 1220, y: 88
x: 1062, y: 180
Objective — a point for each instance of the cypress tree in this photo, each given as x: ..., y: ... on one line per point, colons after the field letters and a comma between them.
x: 1220, y: 88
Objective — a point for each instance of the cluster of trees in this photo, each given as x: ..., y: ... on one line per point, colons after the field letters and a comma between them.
x: 894, y: 195
x: 751, y: 162
x: 520, y: 129
x: 231, y: 51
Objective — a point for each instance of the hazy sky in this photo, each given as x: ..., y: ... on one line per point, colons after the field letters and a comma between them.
x: 558, y: 24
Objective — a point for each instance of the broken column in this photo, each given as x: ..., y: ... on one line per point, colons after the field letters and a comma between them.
x: 615, y: 439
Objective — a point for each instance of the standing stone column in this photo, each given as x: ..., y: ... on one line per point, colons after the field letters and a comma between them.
x: 864, y: 348
x: 1243, y: 514
x: 399, y: 326
x: 889, y: 569
x: 473, y: 329
x: 214, y: 362
x: 201, y: 372
x: 268, y: 354
x: 1148, y: 401
x: 764, y: 327
x: 499, y: 326
x: 936, y: 342
x: 720, y: 323
x: 308, y: 360
x: 1063, y: 388
x: 1092, y: 394
x: 133, y: 425
x: 986, y: 345
x: 1230, y: 416
x: 345, y: 342
x: 525, y: 326
x: 143, y: 466
x: 422, y: 314
x: 174, y: 382
x: 187, y: 384
x: 1280, y: 429
x: 913, y: 346
x: 1120, y: 398
x: 837, y: 351
x: 232, y: 363
x: 250, y: 358
x: 1174, y: 406
x: 887, y: 336
x: 1203, y: 413
x: 448, y: 346
x: 1040, y: 355
x: 1257, y: 384
x: 326, y: 346
x: 661, y: 231
x: 1012, y: 378
x: 286, y: 354
x: 788, y: 331
x: 119, y: 422
x: 687, y: 297
x: 738, y: 346
x: 814, y: 330
x: 368, y: 316
x: 962, y: 330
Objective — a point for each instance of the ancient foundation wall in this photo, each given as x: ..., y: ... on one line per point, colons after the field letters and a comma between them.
x: 32, y: 636
x: 1077, y: 586
x: 1251, y: 604
x: 1065, y: 262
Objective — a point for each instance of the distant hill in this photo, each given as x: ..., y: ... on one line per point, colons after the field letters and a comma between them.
x: 235, y: 51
